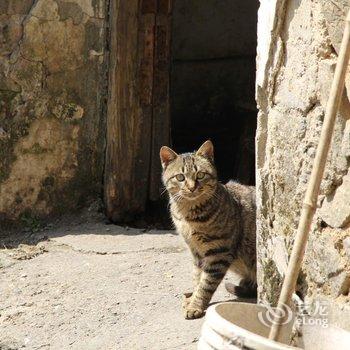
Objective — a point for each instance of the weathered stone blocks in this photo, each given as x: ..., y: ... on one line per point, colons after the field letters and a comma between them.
x: 335, y: 210
x: 297, y: 53
x: 51, y: 105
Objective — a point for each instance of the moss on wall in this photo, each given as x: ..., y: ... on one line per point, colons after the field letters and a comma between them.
x: 52, y: 92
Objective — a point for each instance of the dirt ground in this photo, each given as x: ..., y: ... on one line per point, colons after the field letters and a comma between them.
x: 90, y: 285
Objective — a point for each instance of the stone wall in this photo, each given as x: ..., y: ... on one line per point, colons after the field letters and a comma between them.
x: 298, y: 43
x: 51, y: 101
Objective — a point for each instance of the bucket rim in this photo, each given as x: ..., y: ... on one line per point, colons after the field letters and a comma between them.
x: 251, y: 339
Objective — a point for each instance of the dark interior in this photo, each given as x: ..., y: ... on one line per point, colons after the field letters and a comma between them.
x: 213, y: 82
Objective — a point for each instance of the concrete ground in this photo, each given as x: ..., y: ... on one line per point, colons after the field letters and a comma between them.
x: 90, y: 285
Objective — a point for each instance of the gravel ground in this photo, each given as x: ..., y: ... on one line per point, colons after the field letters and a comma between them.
x: 96, y: 286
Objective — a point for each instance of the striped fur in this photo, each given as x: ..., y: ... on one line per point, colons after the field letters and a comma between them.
x: 217, y: 222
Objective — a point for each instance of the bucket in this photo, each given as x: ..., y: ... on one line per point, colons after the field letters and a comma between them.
x: 236, y: 326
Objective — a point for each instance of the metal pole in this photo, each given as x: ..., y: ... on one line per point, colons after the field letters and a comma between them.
x: 310, y: 201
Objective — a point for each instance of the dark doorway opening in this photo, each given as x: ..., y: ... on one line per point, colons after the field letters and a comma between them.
x: 213, y: 82
x: 211, y: 96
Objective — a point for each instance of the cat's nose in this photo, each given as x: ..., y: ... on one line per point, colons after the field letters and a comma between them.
x: 191, y: 185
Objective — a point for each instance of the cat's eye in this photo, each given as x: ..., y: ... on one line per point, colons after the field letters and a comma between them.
x: 200, y: 175
x: 180, y: 177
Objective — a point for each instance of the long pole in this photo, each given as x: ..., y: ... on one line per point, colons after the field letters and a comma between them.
x: 310, y: 201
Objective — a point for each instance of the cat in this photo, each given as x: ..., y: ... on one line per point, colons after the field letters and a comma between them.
x: 216, y: 221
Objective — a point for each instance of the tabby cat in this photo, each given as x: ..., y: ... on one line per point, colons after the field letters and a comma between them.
x: 217, y: 222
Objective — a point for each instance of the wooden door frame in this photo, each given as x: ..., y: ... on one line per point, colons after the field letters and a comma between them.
x: 138, y: 111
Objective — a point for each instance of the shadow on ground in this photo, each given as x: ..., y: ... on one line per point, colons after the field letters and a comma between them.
x: 83, y: 284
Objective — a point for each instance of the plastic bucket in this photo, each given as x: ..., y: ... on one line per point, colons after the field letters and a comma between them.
x: 233, y: 326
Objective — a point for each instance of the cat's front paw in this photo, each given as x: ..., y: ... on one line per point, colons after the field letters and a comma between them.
x: 192, y: 312
x: 186, y: 299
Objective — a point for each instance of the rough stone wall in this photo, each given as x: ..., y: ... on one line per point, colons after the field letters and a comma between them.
x: 298, y: 43
x: 51, y: 101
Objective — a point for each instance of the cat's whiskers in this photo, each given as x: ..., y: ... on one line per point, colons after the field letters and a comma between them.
x: 164, y: 191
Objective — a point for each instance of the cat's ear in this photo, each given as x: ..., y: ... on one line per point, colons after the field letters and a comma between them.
x: 167, y: 155
x: 206, y: 150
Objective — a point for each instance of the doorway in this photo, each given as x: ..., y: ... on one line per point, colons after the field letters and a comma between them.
x: 213, y: 82
x: 180, y: 72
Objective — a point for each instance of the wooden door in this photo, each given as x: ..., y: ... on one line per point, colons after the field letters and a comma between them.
x: 138, y: 113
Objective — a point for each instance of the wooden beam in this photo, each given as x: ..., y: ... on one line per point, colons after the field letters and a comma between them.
x: 137, y: 106
x: 161, y: 93
x: 129, y: 110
